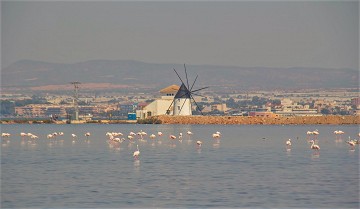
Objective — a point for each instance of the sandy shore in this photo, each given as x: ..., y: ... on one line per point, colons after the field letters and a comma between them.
x: 330, y: 119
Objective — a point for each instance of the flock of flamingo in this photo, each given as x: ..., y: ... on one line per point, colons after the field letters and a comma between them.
x: 114, y: 139
x: 312, y: 137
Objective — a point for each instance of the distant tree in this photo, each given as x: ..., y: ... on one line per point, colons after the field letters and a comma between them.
x: 63, y: 102
x: 113, y: 101
x: 231, y: 103
x: 81, y: 103
x: 344, y: 112
x: 7, y: 107
x: 276, y: 102
x: 325, y: 111
x: 217, y: 100
x: 258, y: 101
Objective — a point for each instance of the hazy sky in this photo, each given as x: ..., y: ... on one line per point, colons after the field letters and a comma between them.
x: 269, y: 34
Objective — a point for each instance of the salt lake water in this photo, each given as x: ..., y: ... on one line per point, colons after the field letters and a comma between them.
x: 248, y: 167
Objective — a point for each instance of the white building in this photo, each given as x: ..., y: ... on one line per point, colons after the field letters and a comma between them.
x: 163, y: 105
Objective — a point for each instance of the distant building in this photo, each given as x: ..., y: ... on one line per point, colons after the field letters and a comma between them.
x: 88, y: 110
x: 286, y: 102
x: 219, y: 107
x: 161, y: 106
x: 40, y: 111
x: 263, y: 114
x: 59, y: 111
x: 124, y: 109
x: 356, y: 102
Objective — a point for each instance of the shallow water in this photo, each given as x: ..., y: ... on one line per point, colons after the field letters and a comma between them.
x: 249, y: 166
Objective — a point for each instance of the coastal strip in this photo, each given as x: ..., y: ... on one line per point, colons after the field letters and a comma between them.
x: 248, y: 120
x: 199, y: 119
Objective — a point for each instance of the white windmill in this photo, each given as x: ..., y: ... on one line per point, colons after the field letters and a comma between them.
x: 182, y: 99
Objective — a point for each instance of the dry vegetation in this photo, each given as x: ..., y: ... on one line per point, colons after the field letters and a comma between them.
x: 331, y: 119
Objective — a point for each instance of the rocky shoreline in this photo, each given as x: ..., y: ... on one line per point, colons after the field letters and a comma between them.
x: 247, y: 120
x: 241, y: 120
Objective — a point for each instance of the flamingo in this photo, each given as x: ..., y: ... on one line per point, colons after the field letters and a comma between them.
x: 338, y: 132
x: 308, y: 133
x: 34, y: 136
x: 316, y: 132
x: 5, y: 135
x: 117, y: 133
x: 216, y: 135
x: 199, y: 143
x: 141, y: 133
x: 152, y: 136
x: 314, y: 146
x: 189, y: 133
x: 87, y: 135
x: 352, y: 143
x: 50, y: 136
x: 288, y: 143
x: 172, y: 137
x: 22, y: 134
x: 118, y: 140
x: 160, y: 133
x: 73, y: 136
x: 136, y: 153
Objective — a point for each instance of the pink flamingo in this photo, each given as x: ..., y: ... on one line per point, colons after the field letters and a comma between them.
x: 136, y: 153
x: 314, y: 146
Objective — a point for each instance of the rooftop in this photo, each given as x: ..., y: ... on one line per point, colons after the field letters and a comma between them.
x: 170, y: 89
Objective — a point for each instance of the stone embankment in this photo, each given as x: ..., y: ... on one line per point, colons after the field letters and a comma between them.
x: 246, y: 120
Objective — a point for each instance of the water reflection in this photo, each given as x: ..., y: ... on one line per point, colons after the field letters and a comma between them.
x: 137, y: 165
x: 315, y: 155
x: 5, y: 142
x: 288, y: 151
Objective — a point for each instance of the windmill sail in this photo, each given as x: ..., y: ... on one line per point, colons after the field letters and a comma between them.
x: 182, y: 99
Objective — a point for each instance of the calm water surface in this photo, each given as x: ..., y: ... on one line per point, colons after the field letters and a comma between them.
x: 249, y: 166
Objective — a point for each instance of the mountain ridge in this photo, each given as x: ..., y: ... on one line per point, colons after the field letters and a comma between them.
x: 154, y: 75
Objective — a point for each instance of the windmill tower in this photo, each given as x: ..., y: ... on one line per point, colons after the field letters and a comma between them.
x: 182, y: 103
x: 184, y: 96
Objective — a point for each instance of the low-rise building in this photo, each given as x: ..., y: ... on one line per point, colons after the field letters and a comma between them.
x: 263, y: 114
x: 160, y: 106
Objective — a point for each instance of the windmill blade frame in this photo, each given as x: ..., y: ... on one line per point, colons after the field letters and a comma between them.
x: 187, y: 81
x: 179, y: 76
x: 196, y: 104
x: 193, y: 83
x: 184, y: 94
x: 200, y: 89
x: 168, y: 110
x: 198, y: 95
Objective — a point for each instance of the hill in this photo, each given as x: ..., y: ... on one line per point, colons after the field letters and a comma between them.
x: 29, y: 73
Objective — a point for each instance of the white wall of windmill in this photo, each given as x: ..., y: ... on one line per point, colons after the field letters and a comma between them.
x: 185, y: 104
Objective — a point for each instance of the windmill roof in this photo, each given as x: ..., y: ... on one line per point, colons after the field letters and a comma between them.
x: 183, y: 92
x: 170, y: 89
